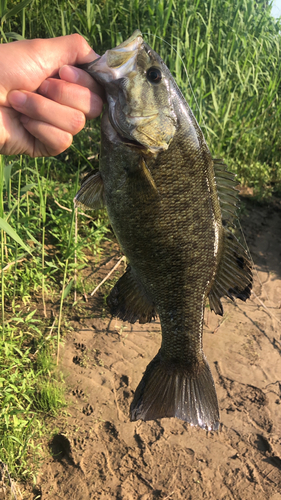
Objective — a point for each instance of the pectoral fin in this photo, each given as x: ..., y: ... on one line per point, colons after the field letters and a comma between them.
x: 129, y: 301
x: 91, y: 193
x: 141, y: 183
x: 234, y: 275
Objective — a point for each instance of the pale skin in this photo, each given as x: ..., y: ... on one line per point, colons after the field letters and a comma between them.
x: 40, y: 114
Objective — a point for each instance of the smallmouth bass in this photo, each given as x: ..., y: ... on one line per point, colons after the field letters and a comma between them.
x: 169, y: 204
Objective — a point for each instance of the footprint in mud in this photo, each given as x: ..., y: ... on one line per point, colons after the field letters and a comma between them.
x: 269, y: 449
x: 254, y: 401
x: 60, y: 448
x: 88, y: 410
x: 78, y: 393
x: 124, y: 381
x: 248, y: 399
x: 80, y: 346
x: 124, y: 394
x: 77, y: 360
x: 261, y: 443
x: 79, y: 443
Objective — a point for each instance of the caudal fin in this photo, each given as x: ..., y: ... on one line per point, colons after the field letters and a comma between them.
x: 172, y: 390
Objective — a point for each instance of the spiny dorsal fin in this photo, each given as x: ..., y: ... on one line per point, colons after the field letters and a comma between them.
x: 91, y: 193
x: 234, y: 275
x: 129, y: 301
x: 228, y: 194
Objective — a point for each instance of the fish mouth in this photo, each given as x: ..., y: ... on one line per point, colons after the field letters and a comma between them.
x: 118, y: 62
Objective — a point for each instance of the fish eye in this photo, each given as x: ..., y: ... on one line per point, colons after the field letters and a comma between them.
x: 154, y: 75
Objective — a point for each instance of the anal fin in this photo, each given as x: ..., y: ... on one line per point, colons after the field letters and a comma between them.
x: 234, y: 275
x: 129, y: 301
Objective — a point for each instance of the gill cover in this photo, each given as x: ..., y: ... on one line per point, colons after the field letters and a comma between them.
x: 138, y: 91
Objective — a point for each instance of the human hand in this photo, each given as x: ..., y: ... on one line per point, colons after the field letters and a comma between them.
x: 39, y: 114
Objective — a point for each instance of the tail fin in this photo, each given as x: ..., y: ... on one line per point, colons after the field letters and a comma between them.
x: 172, y: 390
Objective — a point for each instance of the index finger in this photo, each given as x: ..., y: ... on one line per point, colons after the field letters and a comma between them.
x: 73, y: 96
x: 76, y: 75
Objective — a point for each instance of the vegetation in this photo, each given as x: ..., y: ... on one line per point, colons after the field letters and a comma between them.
x: 226, y: 63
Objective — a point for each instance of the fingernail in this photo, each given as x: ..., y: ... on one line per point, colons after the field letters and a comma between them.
x: 17, y: 98
x: 24, y: 119
x: 69, y: 73
x: 43, y: 89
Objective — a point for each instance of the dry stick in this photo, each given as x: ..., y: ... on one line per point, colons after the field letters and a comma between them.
x: 43, y: 270
x: 169, y: 496
x: 12, y: 485
x: 51, y: 330
x: 265, y: 307
x: 107, y: 276
x: 75, y: 254
x: 61, y: 206
x: 13, y: 263
x: 69, y: 210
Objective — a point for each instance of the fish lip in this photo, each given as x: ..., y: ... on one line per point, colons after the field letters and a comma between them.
x: 131, y: 44
x: 116, y: 63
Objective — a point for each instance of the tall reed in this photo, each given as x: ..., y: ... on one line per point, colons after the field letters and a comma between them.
x: 230, y: 50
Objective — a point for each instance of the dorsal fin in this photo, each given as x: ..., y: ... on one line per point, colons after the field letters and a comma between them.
x: 91, y: 193
x: 228, y: 194
x: 234, y: 274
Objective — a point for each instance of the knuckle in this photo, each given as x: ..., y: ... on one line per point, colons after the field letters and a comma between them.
x: 79, y: 40
x: 78, y: 121
x: 57, y: 90
x: 96, y: 106
x: 64, y: 142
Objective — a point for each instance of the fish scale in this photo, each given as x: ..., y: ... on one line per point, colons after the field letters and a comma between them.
x: 161, y: 189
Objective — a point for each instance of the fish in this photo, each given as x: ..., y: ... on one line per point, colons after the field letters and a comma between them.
x: 172, y: 208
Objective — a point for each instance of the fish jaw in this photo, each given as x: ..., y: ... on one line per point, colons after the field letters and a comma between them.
x: 118, y: 62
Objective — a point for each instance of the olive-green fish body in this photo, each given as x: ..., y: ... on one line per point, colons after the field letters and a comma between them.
x: 158, y: 183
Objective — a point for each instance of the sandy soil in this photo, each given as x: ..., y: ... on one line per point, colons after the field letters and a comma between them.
x: 99, y: 454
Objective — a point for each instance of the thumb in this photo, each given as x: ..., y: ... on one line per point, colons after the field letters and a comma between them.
x: 53, y: 53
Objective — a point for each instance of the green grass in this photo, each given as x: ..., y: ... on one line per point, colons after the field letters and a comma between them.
x: 29, y: 386
x: 225, y: 56
x: 37, y: 275
x: 230, y: 51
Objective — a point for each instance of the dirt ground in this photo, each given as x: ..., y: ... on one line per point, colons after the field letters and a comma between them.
x: 98, y: 453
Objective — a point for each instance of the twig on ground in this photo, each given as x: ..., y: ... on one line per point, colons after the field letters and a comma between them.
x: 75, y: 254
x: 61, y: 206
x: 169, y: 496
x: 220, y: 323
x: 13, y: 263
x: 4, y: 471
x: 52, y: 327
x: 108, y: 275
x: 70, y: 210
x: 266, y: 308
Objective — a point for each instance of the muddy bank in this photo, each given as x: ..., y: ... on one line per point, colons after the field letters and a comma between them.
x: 99, y: 454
